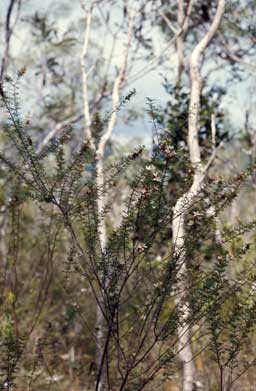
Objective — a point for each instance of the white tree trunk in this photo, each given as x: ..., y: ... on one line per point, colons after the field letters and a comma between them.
x: 185, y: 202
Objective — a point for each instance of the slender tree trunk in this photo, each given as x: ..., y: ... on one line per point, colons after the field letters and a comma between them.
x: 100, y: 151
x: 9, y: 29
x: 185, y: 202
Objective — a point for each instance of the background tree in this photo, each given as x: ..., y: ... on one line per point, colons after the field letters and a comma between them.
x: 59, y: 185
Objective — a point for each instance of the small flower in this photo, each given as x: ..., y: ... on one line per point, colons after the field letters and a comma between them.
x: 156, y: 178
x: 141, y: 248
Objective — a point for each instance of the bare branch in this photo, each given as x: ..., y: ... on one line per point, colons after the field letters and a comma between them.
x: 57, y: 129
x: 9, y: 29
x: 179, y: 42
x: 156, y: 60
x: 85, y: 73
x: 233, y: 57
x: 168, y: 22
